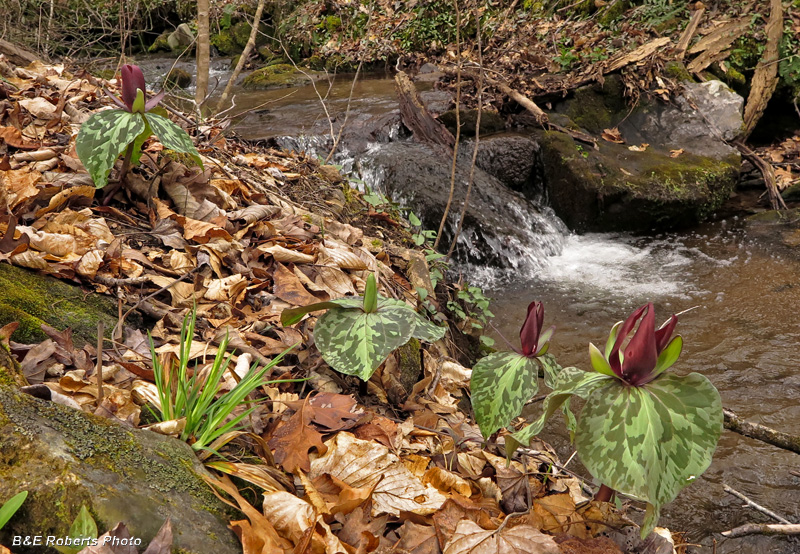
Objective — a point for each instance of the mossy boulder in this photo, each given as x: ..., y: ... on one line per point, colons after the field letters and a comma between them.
x: 177, y: 77
x: 491, y: 122
x: 66, y: 458
x: 277, y: 76
x: 614, y: 188
x: 161, y: 44
x: 32, y: 299
x: 224, y: 43
x: 181, y: 38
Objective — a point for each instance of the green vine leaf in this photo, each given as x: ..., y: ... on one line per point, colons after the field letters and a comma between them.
x: 501, y: 384
x: 173, y: 137
x: 103, y: 138
x: 650, y: 441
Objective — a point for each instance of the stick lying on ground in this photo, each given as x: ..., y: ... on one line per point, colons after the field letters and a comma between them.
x: 759, y: 507
x: 756, y: 431
x: 762, y: 529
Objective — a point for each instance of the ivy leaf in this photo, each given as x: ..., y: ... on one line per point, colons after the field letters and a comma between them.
x: 103, y: 138
x: 173, y: 137
x: 356, y: 343
x: 650, y: 441
x: 502, y: 383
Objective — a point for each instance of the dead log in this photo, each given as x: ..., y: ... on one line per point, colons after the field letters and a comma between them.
x: 688, y: 33
x: 775, y: 198
x: 416, y: 117
x: 760, y: 432
x: 516, y: 96
x: 714, y: 46
x: 762, y: 529
x: 765, y: 78
x: 17, y: 55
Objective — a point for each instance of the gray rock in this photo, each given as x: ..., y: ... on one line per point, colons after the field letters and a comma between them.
x: 66, y: 458
x: 700, y: 130
x: 512, y: 159
x: 181, y: 37
x: 437, y: 101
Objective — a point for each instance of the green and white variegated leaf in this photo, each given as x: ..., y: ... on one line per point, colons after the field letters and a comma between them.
x: 651, y: 441
x: 501, y: 384
x: 172, y: 136
x: 103, y: 137
x: 426, y: 330
x: 570, y: 381
x: 550, y: 368
x: 356, y: 343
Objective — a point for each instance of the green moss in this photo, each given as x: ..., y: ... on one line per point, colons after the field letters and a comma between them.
x: 409, y: 364
x: 315, y: 62
x: 225, y: 44
x: 677, y: 71
x: 33, y: 299
x: 491, y: 122
x: 274, y: 76
x: 177, y: 77
x: 240, y: 33
x: 160, y: 44
x: 597, y: 107
x: 613, y: 12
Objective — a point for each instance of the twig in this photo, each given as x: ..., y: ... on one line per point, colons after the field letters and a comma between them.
x: 762, y: 529
x: 775, y: 199
x: 446, y: 212
x: 471, y: 179
x: 759, y: 432
x: 99, y: 367
x: 760, y: 508
x: 346, y: 114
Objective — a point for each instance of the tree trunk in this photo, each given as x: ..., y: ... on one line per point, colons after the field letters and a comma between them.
x: 203, y: 52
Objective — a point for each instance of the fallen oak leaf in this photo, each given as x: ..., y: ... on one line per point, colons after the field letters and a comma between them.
x: 292, y: 441
x: 613, y: 135
x: 470, y: 538
x: 335, y: 412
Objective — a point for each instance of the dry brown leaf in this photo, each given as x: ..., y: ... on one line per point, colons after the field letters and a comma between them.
x: 89, y: 264
x: 76, y: 195
x: 417, y: 539
x: 557, y: 512
x: 288, y: 514
x: 230, y: 289
x: 447, y: 482
x: 469, y: 538
x: 338, y: 255
x: 182, y: 293
x: 783, y: 177
x: 292, y: 441
x: 20, y: 184
x: 363, y: 463
x: 39, y: 107
x: 51, y: 243
x: 334, y: 281
x: 172, y: 427
x: 641, y: 148
x: 675, y: 153
x: 289, y: 288
x: 340, y: 497
x: 284, y: 255
x: 613, y: 135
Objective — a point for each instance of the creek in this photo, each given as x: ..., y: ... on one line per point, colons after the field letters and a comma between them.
x: 740, y: 285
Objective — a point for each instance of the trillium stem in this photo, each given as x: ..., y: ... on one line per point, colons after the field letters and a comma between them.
x: 605, y: 494
x: 126, y: 164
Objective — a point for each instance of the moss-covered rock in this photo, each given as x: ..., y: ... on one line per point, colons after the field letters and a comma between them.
x: 491, y: 122
x: 614, y: 188
x: 224, y: 43
x: 177, y: 77
x: 33, y: 299
x: 277, y: 76
x: 240, y: 33
x: 66, y: 458
x: 161, y: 43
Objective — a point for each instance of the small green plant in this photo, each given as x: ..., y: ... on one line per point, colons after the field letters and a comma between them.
x: 82, y: 533
x: 195, y: 398
x: 357, y: 334
x: 10, y: 507
x: 503, y: 382
x: 472, y: 308
x: 641, y: 431
x: 108, y: 133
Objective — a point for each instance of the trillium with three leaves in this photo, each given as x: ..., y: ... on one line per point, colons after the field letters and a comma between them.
x: 106, y: 134
x: 503, y: 382
x: 641, y: 431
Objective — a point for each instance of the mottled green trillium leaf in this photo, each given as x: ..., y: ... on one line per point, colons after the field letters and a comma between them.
x: 501, y: 384
x: 84, y: 527
x: 172, y: 136
x: 425, y: 329
x: 356, y: 343
x: 570, y: 381
x: 650, y: 441
x: 103, y: 138
x: 551, y: 369
x: 293, y: 315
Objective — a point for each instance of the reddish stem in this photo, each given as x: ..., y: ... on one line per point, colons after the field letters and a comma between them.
x: 605, y: 494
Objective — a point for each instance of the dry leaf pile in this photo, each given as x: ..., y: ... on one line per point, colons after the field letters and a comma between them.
x: 399, y: 467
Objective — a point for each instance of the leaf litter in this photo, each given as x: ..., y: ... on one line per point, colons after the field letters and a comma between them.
x: 341, y: 468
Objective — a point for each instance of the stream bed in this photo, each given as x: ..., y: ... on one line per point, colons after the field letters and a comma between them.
x: 742, y: 331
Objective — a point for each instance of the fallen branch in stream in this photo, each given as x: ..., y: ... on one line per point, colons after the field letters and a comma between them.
x: 762, y: 529
x: 775, y: 198
x: 756, y: 506
x: 760, y: 432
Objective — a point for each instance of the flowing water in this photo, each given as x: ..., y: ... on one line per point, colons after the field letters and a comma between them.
x: 742, y: 330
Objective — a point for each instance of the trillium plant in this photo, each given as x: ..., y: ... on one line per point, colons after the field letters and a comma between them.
x: 503, y: 382
x: 356, y: 334
x: 106, y: 134
x: 642, y: 432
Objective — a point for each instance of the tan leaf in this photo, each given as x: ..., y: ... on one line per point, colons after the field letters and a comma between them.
x: 338, y: 495
x: 180, y: 261
x: 641, y: 148
x: 557, y: 512
x: 289, y: 288
x: 675, y: 153
x: 470, y: 538
x: 340, y: 256
x: 89, y: 264
x: 447, y: 482
x: 288, y: 514
x: 783, y: 177
x: 31, y: 260
x: 21, y: 185
x: 50, y: 243
x: 285, y: 255
x: 335, y: 282
x: 362, y: 463
x: 417, y: 539
x: 172, y: 427
x: 39, y: 107
x: 292, y: 441
x: 84, y: 194
x: 613, y: 135
x: 228, y: 289
x: 182, y: 293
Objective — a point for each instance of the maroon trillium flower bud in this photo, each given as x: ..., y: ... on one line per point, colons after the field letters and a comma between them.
x: 648, y: 353
x: 534, y: 342
x: 132, y: 83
